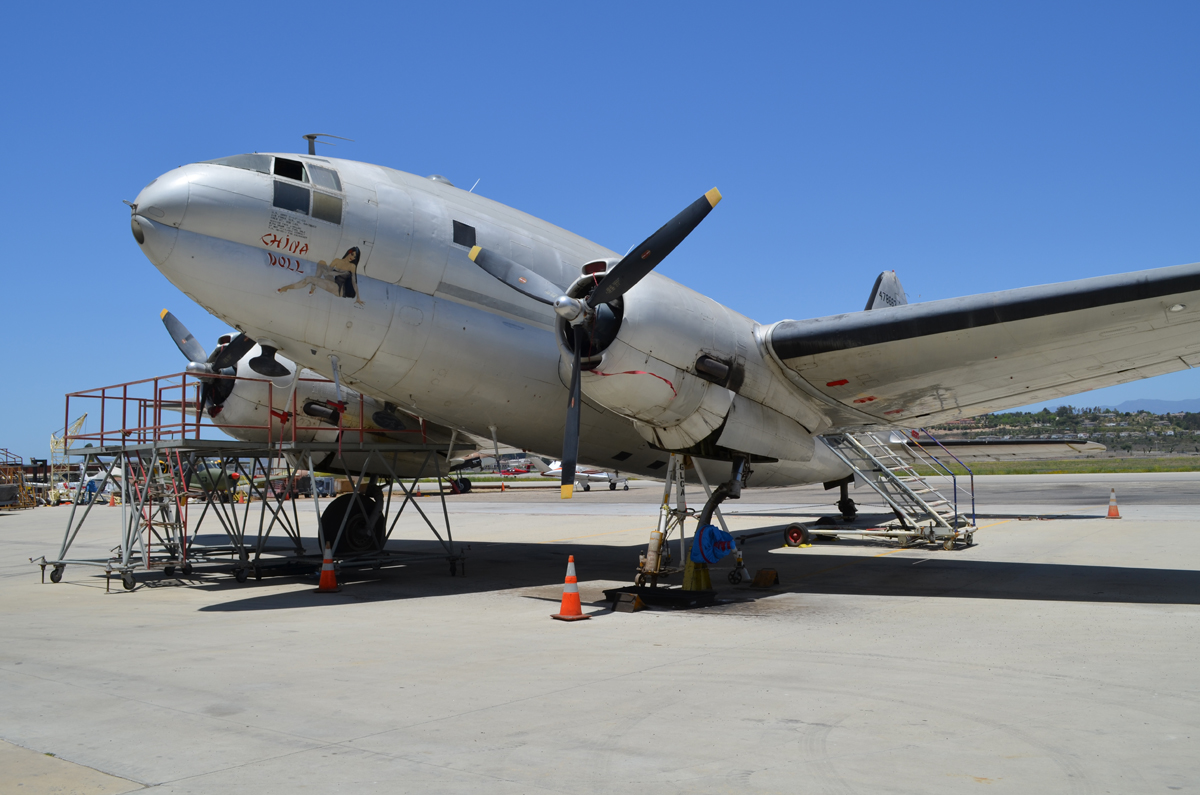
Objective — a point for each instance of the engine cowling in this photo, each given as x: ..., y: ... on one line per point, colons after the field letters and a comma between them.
x: 672, y: 361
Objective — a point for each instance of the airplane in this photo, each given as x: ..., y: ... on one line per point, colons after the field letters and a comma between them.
x: 477, y: 316
x: 583, y: 475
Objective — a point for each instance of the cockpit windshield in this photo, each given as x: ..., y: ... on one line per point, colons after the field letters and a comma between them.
x: 259, y: 163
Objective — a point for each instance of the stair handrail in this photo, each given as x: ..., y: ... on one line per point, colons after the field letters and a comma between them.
x: 926, y: 457
x: 971, y: 474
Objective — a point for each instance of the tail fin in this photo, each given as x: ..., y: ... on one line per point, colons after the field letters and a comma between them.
x: 886, y: 292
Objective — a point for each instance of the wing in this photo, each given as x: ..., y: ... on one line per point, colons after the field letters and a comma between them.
x: 960, y: 357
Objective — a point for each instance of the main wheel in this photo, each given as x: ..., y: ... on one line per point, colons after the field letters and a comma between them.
x: 796, y: 535
x: 464, y: 485
x: 612, y: 486
x: 587, y: 486
x: 358, y: 538
x: 128, y: 581
x: 626, y: 487
x: 56, y: 574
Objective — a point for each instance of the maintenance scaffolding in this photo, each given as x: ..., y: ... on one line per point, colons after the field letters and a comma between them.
x: 169, y: 476
x: 15, y: 493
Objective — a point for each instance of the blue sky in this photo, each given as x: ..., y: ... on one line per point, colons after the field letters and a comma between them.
x: 969, y: 146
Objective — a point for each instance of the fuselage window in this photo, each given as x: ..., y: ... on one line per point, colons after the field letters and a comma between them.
x: 291, y: 197
x: 326, y: 207
x: 291, y: 169
x: 259, y: 163
x: 324, y: 177
x: 464, y: 235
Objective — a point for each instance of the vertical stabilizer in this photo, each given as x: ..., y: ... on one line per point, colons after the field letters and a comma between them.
x: 886, y: 292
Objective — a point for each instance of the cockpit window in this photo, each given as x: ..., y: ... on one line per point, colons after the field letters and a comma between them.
x: 259, y: 163
x: 291, y: 169
x: 324, y: 177
x: 291, y: 197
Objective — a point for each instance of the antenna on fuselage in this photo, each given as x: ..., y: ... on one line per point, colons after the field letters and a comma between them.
x: 312, y: 140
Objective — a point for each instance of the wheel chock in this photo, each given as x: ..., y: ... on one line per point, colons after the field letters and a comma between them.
x: 765, y: 578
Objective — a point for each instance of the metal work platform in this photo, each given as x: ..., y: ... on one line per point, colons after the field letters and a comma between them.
x: 172, y: 484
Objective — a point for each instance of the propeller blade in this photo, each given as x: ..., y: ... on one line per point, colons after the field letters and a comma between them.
x: 232, y: 353
x: 653, y: 250
x: 516, y: 275
x: 571, y: 433
x: 184, y: 340
x: 205, y: 396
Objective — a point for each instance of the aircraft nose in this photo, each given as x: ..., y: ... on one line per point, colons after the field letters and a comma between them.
x: 165, y: 200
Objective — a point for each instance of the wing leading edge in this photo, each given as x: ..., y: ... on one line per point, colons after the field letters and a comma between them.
x: 959, y: 357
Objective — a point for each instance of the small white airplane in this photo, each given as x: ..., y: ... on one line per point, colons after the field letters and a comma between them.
x: 584, y: 476
x: 477, y: 317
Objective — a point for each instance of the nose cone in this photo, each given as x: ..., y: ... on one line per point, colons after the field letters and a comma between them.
x: 165, y: 200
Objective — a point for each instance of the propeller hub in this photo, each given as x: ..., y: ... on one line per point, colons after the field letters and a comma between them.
x: 198, y: 368
x: 570, y: 309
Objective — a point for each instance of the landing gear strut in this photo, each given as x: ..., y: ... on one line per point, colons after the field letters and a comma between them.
x: 846, y: 505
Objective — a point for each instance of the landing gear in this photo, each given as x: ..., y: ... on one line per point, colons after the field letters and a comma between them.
x: 846, y: 505
x: 587, y: 486
x: 464, y: 485
x: 796, y: 535
x: 626, y: 487
x: 612, y: 486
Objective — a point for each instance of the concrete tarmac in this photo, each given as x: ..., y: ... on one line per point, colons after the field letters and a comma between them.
x: 1056, y: 655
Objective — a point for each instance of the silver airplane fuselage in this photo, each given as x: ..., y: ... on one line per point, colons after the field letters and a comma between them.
x: 420, y: 324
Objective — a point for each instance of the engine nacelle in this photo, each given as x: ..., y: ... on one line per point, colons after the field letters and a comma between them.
x: 690, y: 374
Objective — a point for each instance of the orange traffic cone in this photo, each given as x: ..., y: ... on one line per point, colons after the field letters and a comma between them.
x: 570, y: 610
x: 1113, y: 513
x: 329, y: 583
x: 112, y: 500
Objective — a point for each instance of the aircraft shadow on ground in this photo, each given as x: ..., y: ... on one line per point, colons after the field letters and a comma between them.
x: 817, y: 570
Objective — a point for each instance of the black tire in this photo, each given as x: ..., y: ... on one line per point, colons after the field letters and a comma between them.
x: 626, y: 487
x: 587, y: 486
x: 357, y: 538
x: 464, y: 485
x: 56, y: 574
x: 168, y: 571
x: 795, y: 535
x: 186, y: 568
x: 735, y: 577
x: 241, y: 575
x: 612, y: 486
x: 128, y: 581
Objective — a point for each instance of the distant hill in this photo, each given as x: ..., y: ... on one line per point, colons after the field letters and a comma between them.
x: 1159, y: 406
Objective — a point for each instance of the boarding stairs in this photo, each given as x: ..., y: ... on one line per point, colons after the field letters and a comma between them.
x: 926, y: 503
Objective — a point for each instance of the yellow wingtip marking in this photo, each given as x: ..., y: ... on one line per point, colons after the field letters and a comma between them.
x: 162, y: 314
x: 713, y: 197
x: 567, y: 491
x: 474, y: 252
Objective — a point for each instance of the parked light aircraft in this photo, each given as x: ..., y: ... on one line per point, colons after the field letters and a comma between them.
x: 583, y: 475
x: 476, y: 316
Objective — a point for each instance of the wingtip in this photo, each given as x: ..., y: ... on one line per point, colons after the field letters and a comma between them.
x: 713, y: 197
x: 162, y: 315
x: 567, y: 491
x: 474, y: 252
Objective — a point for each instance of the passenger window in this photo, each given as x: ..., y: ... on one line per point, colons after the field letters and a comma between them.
x: 464, y: 235
x: 324, y: 177
x: 326, y: 207
x: 292, y: 169
x: 291, y: 197
x: 259, y: 163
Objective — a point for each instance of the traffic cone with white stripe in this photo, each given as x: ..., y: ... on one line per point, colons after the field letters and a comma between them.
x: 328, y: 583
x: 571, y: 609
x: 1113, y: 513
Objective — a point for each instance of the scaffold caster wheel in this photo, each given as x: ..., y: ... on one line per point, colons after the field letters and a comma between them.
x: 948, y: 544
x: 735, y: 577
x: 128, y: 581
x: 56, y: 574
x: 970, y: 539
x: 639, y: 580
x: 240, y: 575
x: 168, y: 571
x: 186, y: 568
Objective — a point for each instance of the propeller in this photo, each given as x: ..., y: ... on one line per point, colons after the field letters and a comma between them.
x: 200, y: 364
x: 266, y: 363
x: 582, y: 314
